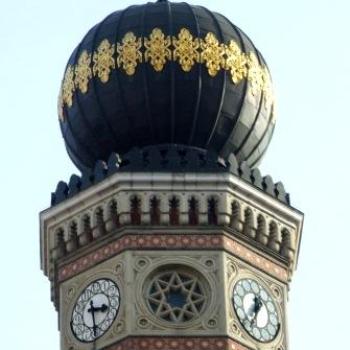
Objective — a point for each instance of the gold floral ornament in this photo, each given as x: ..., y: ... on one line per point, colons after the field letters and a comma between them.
x: 60, y: 110
x: 129, y: 53
x: 83, y: 72
x: 68, y: 87
x: 157, y: 49
x: 255, y: 75
x: 236, y: 62
x: 212, y: 54
x: 186, y: 49
x: 267, y: 87
x: 103, y: 60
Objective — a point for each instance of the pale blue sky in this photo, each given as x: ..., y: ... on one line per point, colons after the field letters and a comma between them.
x: 306, y: 45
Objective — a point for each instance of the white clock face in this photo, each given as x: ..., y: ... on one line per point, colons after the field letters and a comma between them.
x: 95, y: 310
x: 256, y: 310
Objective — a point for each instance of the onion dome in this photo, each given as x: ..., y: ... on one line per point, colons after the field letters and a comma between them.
x: 166, y: 73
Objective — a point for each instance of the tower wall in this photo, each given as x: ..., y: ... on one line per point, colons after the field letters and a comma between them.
x: 236, y: 231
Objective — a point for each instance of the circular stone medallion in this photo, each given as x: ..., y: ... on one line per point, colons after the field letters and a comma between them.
x: 176, y: 294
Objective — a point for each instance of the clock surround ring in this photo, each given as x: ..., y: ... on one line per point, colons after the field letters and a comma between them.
x: 277, y: 340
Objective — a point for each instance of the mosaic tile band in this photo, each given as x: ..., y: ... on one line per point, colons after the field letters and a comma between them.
x: 157, y: 50
x: 172, y: 241
x: 164, y: 343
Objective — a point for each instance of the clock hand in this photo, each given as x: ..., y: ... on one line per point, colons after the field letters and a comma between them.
x: 257, y: 304
x: 256, y: 308
x: 102, y: 308
x: 92, y: 311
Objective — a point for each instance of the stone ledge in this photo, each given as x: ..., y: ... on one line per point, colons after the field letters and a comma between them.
x: 168, y: 158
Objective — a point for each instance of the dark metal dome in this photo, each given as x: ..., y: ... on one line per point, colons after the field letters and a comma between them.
x: 166, y: 73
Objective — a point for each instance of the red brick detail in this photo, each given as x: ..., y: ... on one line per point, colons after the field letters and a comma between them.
x: 163, y: 343
x: 255, y: 259
x: 172, y: 241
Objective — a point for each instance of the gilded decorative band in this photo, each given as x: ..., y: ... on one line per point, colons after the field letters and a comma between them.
x: 157, y: 50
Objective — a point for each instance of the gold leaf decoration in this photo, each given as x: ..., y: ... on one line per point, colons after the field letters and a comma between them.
x: 212, y: 54
x: 68, y: 87
x: 186, y: 49
x: 129, y: 53
x: 83, y: 72
x: 104, y: 60
x: 236, y: 62
x: 157, y: 49
x: 267, y: 87
x: 60, y: 107
x: 255, y: 76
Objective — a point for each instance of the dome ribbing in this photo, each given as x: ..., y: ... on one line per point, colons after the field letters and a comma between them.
x: 166, y: 73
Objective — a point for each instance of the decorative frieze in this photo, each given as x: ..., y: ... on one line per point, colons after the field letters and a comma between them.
x: 173, y: 242
x: 178, y: 343
x: 142, y: 210
x: 263, y: 223
x: 157, y: 50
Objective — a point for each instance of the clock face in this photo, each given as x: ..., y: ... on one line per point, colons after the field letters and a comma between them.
x: 256, y: 310
x: 95, y: 310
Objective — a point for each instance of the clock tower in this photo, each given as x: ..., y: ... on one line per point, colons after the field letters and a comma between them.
x: 170, y: 238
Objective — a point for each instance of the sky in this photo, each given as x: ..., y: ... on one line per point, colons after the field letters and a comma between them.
x: 306, y: 45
